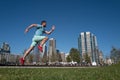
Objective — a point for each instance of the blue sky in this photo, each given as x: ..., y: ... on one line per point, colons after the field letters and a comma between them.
x: 71, y: 17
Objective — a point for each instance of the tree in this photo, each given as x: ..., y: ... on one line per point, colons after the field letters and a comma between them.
x: 31, y: 56
x: 45, y: 58
x: 115, y: 54
x: 17, y: 59
x: 68, y: 58
x: 59, y: 57
x: 87, y: 58
x: 53, y: 57
x: 75, y: 55
x: 3, y: 59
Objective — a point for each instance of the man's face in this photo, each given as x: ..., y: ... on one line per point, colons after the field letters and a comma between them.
x: 44, y: 24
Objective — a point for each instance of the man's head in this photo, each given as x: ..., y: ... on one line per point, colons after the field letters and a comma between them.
x: 43, y: 23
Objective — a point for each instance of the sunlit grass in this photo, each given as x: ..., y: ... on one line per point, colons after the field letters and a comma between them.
x: 100, y: 73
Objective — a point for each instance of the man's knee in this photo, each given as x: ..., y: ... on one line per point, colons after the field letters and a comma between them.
x: 46, y: 38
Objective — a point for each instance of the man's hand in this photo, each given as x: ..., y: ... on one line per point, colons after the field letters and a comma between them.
x: 53, y: 28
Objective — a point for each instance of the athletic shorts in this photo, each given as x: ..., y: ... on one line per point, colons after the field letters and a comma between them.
x: 36, y: 39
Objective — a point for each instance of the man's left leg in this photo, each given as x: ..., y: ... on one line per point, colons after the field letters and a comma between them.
x: 42, y: 43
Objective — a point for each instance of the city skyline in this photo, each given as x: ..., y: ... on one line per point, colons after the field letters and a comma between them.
x: 70, y: 18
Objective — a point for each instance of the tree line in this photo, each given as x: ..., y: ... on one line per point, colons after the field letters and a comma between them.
x: 75, y: 56
x: 115, y: 54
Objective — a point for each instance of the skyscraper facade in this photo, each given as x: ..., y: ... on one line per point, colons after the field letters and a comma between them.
x: 52, y: 50
x: 87, y: 44
x: 5, y: 48
x: 5, y: 52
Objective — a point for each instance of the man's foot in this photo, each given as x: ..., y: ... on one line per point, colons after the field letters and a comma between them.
x: 22, y: 61
x: 40, y: 48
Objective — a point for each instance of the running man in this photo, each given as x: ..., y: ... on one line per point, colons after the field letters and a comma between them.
x: 38, y: 38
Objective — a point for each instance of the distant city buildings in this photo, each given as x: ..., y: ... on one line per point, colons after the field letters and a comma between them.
x: 6, y: 56
x: 54, y: 55
x: 87, y: 44
x: 50, y: 54
x: 40, y: 57
x: 4, y: 52
x: 5, y: 48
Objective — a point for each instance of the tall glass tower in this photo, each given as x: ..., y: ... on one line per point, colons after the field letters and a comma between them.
x: 87, y: 44
x: 52, y: 50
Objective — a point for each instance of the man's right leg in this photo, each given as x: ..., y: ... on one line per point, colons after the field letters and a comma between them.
x: 22, y: 60
x: 27, y: 52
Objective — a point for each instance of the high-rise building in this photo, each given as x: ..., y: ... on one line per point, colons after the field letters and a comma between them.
x: 6, y: 47
x: 5, y: 52
x: 52, y: 50
x: 45, y: 54
x: 87, y: 44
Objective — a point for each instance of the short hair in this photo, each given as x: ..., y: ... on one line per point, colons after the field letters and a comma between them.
x: 43, y: 22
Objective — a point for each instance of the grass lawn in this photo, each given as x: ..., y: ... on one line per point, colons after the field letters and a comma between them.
x: 101, y: 73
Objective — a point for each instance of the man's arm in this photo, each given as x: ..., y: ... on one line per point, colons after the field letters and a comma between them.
x: 52, y: 29
x: 29, y: 27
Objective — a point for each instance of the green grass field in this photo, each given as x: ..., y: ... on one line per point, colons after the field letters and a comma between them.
x: 100, y: 73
